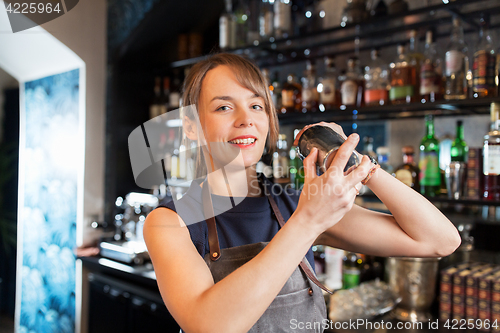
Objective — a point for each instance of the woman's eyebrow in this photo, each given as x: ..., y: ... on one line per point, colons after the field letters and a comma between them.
x: 229, y: 98
x: 224, y: 98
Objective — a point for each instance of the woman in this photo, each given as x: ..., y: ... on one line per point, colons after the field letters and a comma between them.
x: 265, y: 293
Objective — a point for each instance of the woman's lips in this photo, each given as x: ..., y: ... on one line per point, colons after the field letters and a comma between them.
x: 245, y: 145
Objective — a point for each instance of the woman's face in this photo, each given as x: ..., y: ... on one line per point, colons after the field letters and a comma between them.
x: 231, y: 113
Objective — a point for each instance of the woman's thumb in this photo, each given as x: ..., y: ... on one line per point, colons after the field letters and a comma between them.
x: 310, y: 164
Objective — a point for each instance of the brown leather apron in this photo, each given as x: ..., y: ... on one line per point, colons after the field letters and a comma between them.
x: 299, y: 306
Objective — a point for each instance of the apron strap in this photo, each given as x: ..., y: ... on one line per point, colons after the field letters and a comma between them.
x: 208, y: 210
x: 303, y: 263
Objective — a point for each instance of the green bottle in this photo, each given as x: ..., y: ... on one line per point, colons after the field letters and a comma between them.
x: 430, y: 174
x: 351, y: 270
x: 296, y: 170
x: 459, y: 148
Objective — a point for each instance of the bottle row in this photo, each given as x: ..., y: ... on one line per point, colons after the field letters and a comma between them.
x: 413, y: 76
x: 448, y: 166
x: 167, y: 95
x: 341, y: 269
x: 251, y: 22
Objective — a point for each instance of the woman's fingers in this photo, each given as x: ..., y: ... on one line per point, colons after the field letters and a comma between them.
x: 360, y: 173
x: 310, y: 165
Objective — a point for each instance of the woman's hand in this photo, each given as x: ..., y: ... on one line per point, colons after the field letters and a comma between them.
x: 327, y: 198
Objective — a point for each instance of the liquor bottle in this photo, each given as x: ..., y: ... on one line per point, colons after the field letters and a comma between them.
x: 351, y: 270
x: 397, y: 6
x: 282, y: 18
x: 266, y: 20
x: 430, y: 72
x: 383, y: 153
x: 430, y: 174
x: 155, y: 106
x: 276, y: 91
x: 333, y: 267
x: 403, y: 79
x: 408, y: 172
x: 291, y: 95
x: 483, y: 68
x: 351, y: 84
x: 354, y: 12
x: 319, y: 259
x: 457, y: 64
x: 368, y: 147
x: 166, y: 95
x: 265, y: 74
x: 491, y: 156
x: 175, y: 95
x: 329, y: 94
x: 293, y: 167
x: 310, y: 96
x: 379, y: 10
x: 280, y: 161
x: 253, y: 24
x: 376, y: 78
x: 242, y: 14
x: 459, y: 149
x: 297, y: 162
x: 227, y: 27
x: 416, y: 59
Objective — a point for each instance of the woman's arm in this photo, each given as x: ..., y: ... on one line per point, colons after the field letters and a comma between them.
x: 416, y: 228
x: 236, y: 302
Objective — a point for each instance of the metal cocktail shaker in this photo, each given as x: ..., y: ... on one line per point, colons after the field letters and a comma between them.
x: 327, y: 141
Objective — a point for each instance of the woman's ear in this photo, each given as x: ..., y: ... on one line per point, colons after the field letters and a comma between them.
x: 190, y: 128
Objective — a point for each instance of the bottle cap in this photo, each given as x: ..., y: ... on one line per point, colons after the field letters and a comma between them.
x: 408, y: 150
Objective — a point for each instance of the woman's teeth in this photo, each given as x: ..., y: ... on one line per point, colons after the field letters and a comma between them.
x: 243, y: 141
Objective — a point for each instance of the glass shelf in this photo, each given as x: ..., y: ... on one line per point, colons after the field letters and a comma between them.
x: 401, y: 111
x: 376, y: 32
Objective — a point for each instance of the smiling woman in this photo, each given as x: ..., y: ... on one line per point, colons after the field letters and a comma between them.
x: 241, y: 268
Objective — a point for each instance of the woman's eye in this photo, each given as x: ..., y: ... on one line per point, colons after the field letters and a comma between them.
x: 223, y: 108
x: 257, y: 107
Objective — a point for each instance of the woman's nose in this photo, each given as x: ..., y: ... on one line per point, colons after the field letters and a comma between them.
x: 243, y: 117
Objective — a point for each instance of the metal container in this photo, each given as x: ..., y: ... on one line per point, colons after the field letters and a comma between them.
x: 327, y: 141
x: 414, y: 279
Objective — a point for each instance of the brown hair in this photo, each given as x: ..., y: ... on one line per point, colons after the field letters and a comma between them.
x: 247, y: 74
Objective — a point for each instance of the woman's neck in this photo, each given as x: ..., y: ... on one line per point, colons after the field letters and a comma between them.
x: 235, y: 183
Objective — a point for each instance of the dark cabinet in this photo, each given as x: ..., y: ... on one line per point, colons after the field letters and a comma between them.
x: 121, y: 307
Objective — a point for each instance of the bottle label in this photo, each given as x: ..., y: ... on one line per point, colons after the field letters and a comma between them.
x: 401, y: 92
x: 282, y: 16
x: 430, y: 174
x: 375, y: 96
x: 405, y: 177
x: 483, y: 71
x: 454, y: 62
x: 174, y: 100
x: 350, y: 278
x: 307, y: 95
x: 491, y: 165
x: 428, y: 79
x: 280, y: 166
x: 224, y: 32
x: 154, y: 111
x: 328, y: 93
x: 287, y: 99
x: 266, y: 24
x: 349, y: 91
